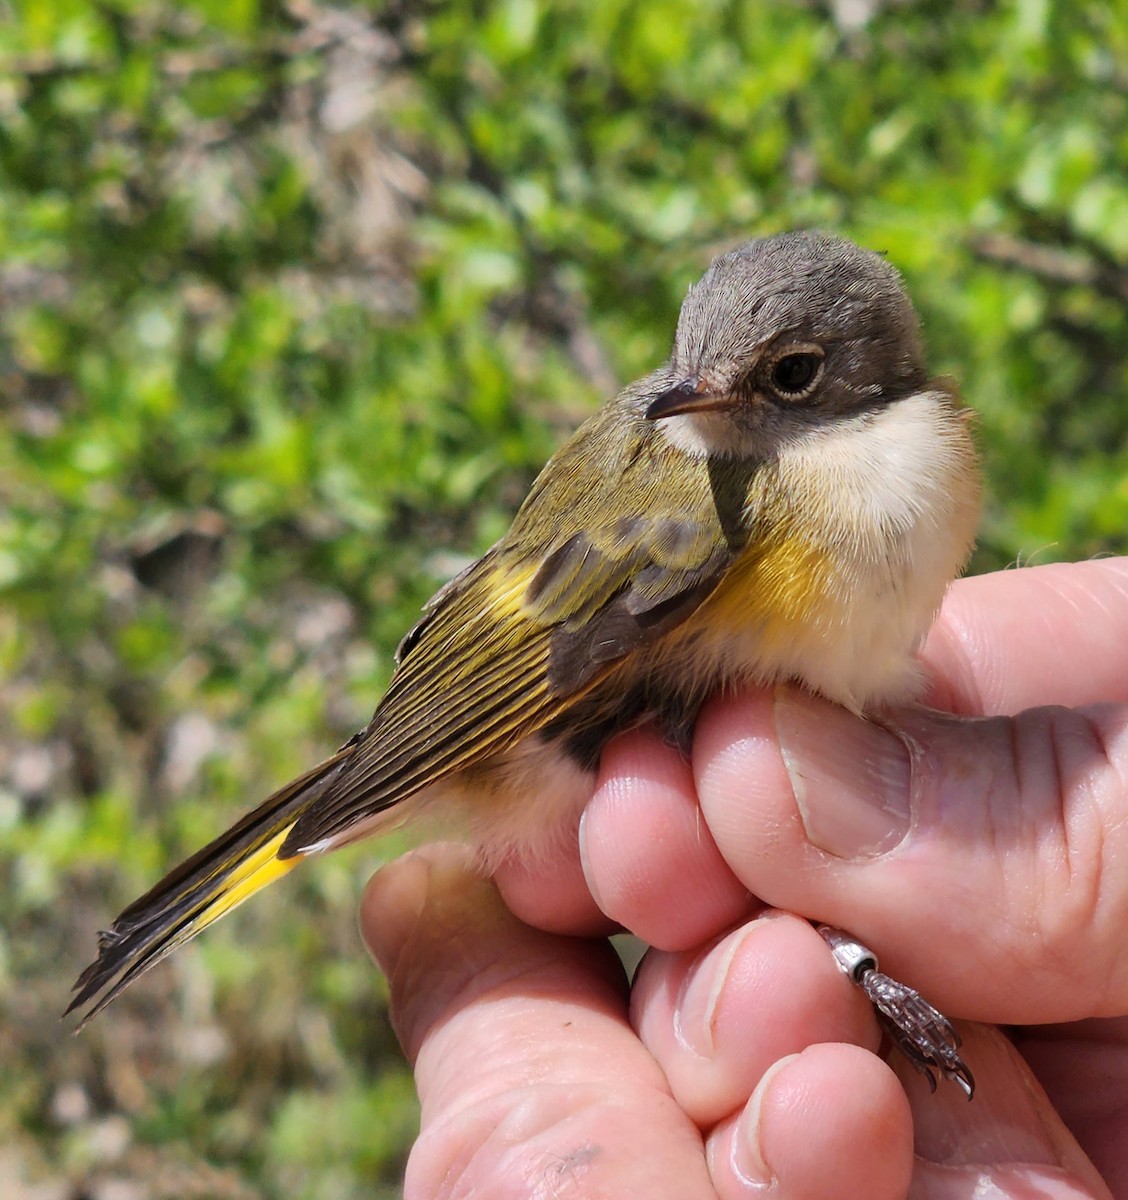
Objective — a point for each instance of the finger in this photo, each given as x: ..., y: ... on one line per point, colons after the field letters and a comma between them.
x: 716, y: 1019
x: 551, y: 893
x: 1008, y: 1141
x: 831, y: 1121
x: 985, y: 860
x: 1084, y: 1068
x: 1056, y: 634
x: 530, y: 1078
x: 647, y: 856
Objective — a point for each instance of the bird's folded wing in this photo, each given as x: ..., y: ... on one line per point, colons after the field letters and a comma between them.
x: 507, y: 647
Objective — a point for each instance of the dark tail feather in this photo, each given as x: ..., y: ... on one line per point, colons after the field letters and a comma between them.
x: 199, y: 891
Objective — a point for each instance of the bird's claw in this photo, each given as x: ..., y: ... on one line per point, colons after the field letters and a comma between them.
x: 921, y: 1032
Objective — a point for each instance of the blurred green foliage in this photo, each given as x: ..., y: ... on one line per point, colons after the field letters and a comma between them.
x: 296, y: 298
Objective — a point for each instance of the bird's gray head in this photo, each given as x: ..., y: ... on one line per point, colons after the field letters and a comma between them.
x: 785, y: 332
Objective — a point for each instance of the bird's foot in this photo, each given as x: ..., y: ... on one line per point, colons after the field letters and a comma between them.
x: 922, y: 1033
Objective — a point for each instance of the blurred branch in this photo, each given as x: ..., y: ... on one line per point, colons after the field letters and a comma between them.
x: 1053, y: 264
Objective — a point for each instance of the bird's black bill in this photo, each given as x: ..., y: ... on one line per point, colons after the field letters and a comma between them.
x: 688, y: 396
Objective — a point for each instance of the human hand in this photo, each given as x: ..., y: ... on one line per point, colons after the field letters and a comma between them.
x: 1004, y: 902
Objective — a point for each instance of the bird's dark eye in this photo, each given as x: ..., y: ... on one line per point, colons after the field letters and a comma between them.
x: 794, y: 375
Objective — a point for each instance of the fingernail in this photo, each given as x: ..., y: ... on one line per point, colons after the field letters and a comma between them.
x: 696, y: 1011
x: 749, y: 1162
x: 851, y: 778
x: 392, y: 906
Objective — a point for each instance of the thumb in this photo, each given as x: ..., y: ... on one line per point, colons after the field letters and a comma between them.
x: 984, y: 859
x: 1009, y: 1142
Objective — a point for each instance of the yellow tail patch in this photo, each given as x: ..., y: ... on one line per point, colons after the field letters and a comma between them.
x: 258, y: 870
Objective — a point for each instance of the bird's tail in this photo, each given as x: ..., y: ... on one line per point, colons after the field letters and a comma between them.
x: 212, y: 882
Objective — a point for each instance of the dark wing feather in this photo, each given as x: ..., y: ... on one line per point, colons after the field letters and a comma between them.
x: 472, y: 680
x: 651, y: 599
x: 517, y: 637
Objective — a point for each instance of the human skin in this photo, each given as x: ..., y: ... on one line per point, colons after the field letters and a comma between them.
x: 981, y: 847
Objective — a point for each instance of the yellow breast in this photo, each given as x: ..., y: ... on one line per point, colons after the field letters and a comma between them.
x: 773, y: 589
x: 855, y: 533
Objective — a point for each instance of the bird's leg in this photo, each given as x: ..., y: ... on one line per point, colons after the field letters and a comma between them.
x: 922, y: 1033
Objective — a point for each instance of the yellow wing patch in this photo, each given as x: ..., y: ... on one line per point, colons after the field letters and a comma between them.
x: 473, y: 681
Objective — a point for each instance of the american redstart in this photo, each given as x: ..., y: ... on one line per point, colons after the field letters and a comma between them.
x: 786, y: 498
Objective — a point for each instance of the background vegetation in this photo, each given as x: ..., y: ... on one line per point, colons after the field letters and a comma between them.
x: 295, y: 299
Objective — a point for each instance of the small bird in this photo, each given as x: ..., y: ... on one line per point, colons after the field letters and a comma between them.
x: 786, y: 498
